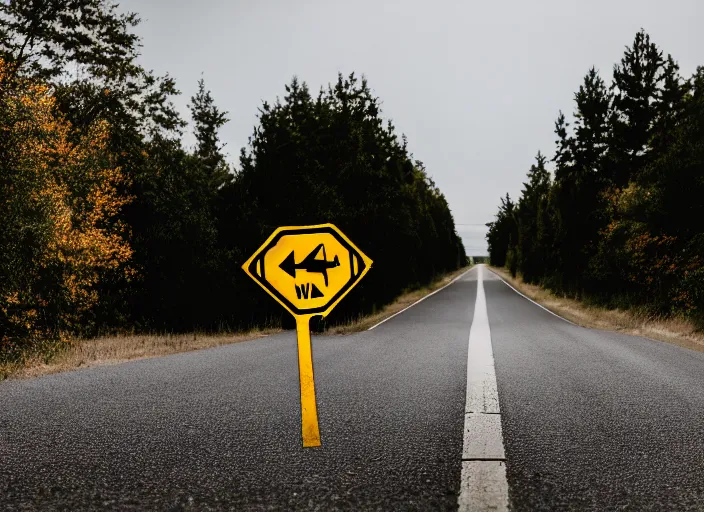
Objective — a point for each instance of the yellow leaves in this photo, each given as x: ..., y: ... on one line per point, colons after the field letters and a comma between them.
x: 12, y: 298
x: 66, y: 182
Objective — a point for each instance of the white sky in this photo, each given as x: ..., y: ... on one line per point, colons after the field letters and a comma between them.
x: 476, y: 86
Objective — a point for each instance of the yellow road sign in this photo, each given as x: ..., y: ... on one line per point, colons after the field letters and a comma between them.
x: 308, y: 270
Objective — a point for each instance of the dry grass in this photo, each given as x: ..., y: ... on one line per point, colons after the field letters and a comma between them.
x: 679, y: 331
x: 404, y: 300
x: 84, y: 353
x: 107, y: 350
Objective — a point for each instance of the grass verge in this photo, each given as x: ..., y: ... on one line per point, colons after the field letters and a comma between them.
x: 677, y: 330
x: 107, y: 350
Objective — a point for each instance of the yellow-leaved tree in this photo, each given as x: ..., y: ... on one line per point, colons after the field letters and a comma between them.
x: 60, y: 194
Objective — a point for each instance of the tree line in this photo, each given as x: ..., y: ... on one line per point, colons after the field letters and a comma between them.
x: 620, y: 221
x: 108, y: 222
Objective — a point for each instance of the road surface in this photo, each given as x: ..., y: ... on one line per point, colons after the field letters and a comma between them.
x: 591, y: 420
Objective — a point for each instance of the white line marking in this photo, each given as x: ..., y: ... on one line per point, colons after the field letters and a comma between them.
x: 421, y: 299
x: 482, y: 437
x: 542, y: 307
x: 483, y: 484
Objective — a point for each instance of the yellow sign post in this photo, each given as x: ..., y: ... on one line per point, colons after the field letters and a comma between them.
x: 308, y: 270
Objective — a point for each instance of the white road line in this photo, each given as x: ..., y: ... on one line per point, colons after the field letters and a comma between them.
x: 483, y: 484
x: 542, y: 307
x: 421, y: 299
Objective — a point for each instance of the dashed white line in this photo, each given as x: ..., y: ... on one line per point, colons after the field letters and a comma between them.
x: 483, y: 484
x: 421, y: 299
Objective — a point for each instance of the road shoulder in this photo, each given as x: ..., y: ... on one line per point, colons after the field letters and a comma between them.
x: 677, y: 331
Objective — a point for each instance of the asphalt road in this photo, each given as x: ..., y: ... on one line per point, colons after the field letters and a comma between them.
x: 594, y: 420
x: 591, y: 420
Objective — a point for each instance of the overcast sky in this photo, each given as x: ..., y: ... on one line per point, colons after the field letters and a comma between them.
x: 476, y: 86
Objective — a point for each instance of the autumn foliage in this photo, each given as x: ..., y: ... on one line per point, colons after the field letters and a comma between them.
x: 59, y: 198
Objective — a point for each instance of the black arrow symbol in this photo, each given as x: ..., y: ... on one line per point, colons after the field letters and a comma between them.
x: 310, y: 263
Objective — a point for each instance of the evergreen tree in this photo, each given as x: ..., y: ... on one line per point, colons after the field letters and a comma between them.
x: 208, y: 119
x: 564, y: 154
x: 176, y: 234
x: 530, y: 215
x: 670, y: 108
x: 502, y: 233
x: 636, y: 85
x: 580, y: 180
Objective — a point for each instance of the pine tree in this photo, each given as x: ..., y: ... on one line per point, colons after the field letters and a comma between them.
x: 208, y: 119
x: 530, y: 215
x: 591, y: 127
x: 564, y: 154
x: 580, y: 179
x: 636, y: 85
x: 502, y: 233
x: 670, y: 107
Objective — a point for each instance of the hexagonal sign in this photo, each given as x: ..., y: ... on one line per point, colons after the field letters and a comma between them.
x: 308, y: 269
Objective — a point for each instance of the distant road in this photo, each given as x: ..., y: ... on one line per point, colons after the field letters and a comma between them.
x: 591, y: 420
